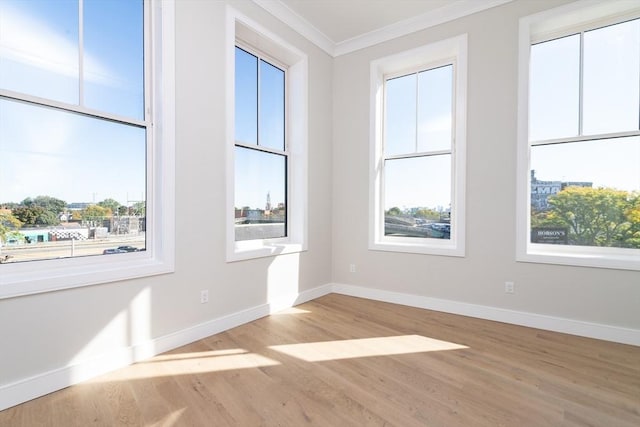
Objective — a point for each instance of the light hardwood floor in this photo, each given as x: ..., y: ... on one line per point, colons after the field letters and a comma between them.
x: 343, y: 361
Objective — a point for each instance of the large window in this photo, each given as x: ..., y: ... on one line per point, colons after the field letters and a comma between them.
x: 581, y: 138
x: 261, y: 148
x: 85, y: 133
x: 418, y: 150
x: 267, y: 142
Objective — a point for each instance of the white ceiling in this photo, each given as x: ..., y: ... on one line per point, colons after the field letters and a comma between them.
x: 341, y: 20
x: 343, y: 26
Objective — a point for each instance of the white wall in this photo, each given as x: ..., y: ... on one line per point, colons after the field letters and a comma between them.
x: 601, y: 296
x: 43, y: 335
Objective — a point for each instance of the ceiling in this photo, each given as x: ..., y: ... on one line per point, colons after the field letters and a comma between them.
x: 343, y: 26
x: 342, y: 20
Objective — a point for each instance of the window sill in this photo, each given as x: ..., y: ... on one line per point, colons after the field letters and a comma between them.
x: 621, y: 259
x: 57, y: 274
x: 260, y: 249
x: 422, y: 246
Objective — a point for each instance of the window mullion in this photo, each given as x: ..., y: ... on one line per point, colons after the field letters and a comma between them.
x: 81, y: 52
x: 417, y: 95
x: 258, y: 98
x: 581, y: 86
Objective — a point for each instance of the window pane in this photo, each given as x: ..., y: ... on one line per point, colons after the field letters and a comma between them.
x: 260, y: 195
x: 113, y: 56
x: 611, y: 82
x: 90, y: 172
x: 400, y: 112
x: 435, y: 106
x: 554, y: 89
x: 246, y: 97
x: 39, y: 48
x: 590, y: 201
x: 271, y: 106
x: 417, y: 197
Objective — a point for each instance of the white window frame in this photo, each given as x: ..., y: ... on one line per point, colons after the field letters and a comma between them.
x: 547, y: 25
x: 444, y: 52
x: 245, y: 32
x: 33, y: 277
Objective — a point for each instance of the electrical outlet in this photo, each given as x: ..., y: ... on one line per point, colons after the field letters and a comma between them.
x: 509, y: 287
x: 352, y: 268
x: 204, y: 296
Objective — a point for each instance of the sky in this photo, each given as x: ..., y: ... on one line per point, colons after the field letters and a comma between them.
x: 260, y: 122
x: 81, y: 159
x: 73, y: 157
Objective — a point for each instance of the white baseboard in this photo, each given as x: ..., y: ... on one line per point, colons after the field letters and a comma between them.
x: 30, y: 388
x: 532, y: 320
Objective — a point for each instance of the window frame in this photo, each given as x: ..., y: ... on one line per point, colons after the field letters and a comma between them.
x: 574, y: 18
x: 250, y: 36
x: 452, y: 51
x: 263, y: 148
x: 26, y: 278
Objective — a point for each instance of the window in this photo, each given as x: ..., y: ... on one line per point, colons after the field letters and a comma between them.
x: 267, y: 140
x: 261, y: 149
x: 418, y: 149
x: 85, y: 142
x: 579, y: 163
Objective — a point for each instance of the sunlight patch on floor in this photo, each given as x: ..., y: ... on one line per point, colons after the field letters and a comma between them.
x: 199, y: 354
x: 196, y: 363
x: 364, y: 347
x: 292, y: 310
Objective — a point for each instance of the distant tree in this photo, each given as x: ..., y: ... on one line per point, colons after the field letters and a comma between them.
x: 51, y: 204
x: 28, y: 215
x: 394, y: 211
x: 111, y: 204
x: 123, y: 210
x: 427, y: 214
x: 9, y: 224
x: 594, y: 216
x: 43, y: 210
x: 95, y: 213
x: 139, y: 209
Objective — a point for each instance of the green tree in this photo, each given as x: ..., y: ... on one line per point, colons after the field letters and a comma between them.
x: 28, y: 215
x: 111, y: 204
x: 394, y: 211
x: 427, y: 213
x: 43, y: 210
x: 9, y: 225
x: 95, y: 213
x: 48, y: 203
x: 594, y: 216
x: 139, y: 209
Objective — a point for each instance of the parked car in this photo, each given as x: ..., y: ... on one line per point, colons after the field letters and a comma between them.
x: 113, y: 251
x: 128, y: 248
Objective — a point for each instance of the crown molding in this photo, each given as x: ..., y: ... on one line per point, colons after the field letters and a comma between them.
x: 426, y: 20
x: 454, y: 10
x: 298, y: 23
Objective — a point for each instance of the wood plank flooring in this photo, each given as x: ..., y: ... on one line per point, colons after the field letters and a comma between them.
x: 344, y: 361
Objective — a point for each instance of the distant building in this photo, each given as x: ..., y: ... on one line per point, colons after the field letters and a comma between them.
x: 541, y: 190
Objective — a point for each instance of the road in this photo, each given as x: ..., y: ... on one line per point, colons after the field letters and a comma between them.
x: 65, y: 249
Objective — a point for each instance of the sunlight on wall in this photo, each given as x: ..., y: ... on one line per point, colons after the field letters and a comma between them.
x: 365, y: 347
x: 283, y: 281
x: 125, y: 336
x: 140, y: 322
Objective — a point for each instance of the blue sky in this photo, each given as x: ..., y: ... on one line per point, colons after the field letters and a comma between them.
x: 66, y: 155
x: 45, y: 152
x: 260, y: 121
